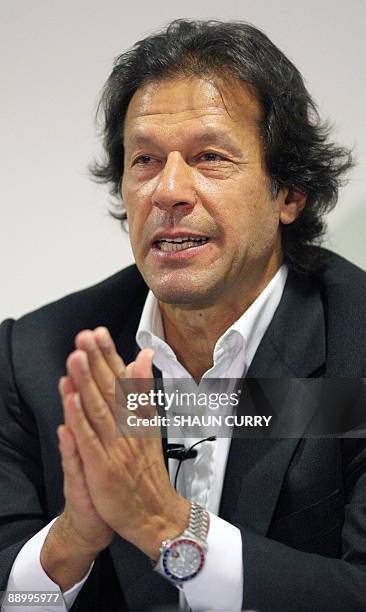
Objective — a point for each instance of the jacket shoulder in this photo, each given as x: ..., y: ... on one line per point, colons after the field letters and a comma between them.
x: 115, y: 303
x: 344, y: 286
x: 344, y: 293
x: 341, y: 273
x: 102, y: 299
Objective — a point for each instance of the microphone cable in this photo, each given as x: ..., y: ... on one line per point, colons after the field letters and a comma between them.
x: 179, y: 452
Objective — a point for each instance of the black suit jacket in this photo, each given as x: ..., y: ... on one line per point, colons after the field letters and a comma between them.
x: 299, y: 503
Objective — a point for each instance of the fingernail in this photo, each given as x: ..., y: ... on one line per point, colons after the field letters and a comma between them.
x: 84, y: 361
x: 90, y: 343
x: 104, y: 338
x: 77, y: 400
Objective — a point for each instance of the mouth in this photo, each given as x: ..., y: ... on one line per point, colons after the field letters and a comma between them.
x: 183, y: 243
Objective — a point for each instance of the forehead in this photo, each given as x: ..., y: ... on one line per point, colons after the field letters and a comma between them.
x: 188, y: 102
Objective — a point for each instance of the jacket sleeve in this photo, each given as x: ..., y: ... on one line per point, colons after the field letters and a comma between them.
x: 22, y: 502
x: 279, y: 577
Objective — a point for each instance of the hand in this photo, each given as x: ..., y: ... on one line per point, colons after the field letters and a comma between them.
x: 126, y: 477
x: 80, y: 521
x: 79, y: 533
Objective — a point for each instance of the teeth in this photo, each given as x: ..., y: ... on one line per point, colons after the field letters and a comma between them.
x: 179, y: 244
x: 191, y: 238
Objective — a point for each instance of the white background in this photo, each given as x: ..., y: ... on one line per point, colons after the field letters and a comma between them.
x: 56, y: 235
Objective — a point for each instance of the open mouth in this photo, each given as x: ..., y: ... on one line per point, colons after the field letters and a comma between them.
x: 169, y: 245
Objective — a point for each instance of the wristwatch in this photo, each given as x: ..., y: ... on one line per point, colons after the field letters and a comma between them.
x: 183, y: 557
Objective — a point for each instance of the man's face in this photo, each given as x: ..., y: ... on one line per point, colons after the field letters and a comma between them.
x: 202, y: 221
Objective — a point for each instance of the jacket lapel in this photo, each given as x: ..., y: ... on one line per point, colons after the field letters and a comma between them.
x: 294, y: 343
x: 293, y: 347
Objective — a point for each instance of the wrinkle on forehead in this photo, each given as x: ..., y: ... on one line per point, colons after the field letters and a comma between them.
x: 179, y: 98
x: 179, y: 116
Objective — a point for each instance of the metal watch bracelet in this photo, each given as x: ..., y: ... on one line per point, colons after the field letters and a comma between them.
x: 198, y: 522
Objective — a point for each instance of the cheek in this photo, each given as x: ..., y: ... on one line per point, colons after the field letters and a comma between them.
x: 135, y: 227
x: 137, y: 201
x: 136, y: 205
x: 135, y: 188
x: 251, y: 218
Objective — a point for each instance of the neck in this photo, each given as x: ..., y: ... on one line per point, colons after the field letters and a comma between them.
x: 192, y: 332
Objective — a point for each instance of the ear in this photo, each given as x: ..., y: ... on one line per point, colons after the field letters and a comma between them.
x: 292, y: 205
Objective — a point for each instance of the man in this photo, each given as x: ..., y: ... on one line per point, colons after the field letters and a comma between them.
x: 225, y: 171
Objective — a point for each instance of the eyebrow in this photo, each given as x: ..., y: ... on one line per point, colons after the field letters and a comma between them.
x: 209, y: 137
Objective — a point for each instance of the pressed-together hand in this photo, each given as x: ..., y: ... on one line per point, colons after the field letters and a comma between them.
x: 112, y: 483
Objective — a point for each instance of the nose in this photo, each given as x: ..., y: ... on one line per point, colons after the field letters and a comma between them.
x: 175, y: 187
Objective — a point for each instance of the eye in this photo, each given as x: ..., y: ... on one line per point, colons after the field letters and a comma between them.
x: 143, y: 160
x: 211, y: 157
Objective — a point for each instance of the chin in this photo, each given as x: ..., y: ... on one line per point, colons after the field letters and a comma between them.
x: 195, y: 297
x: 175, y: 295
x: 181, y: 288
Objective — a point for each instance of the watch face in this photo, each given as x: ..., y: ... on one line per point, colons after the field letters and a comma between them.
x: 183, y: 559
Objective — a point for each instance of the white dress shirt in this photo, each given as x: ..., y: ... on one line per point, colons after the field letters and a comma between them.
x: 219, y: 586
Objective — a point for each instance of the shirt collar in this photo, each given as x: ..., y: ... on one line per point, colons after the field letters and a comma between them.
x: 240, y: 340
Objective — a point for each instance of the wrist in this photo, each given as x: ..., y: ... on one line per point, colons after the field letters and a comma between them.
x: 64, y: 559
x: 157, y: 528
x: 68, y: 543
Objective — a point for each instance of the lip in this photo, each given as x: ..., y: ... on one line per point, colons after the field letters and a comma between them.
x: 178, y: 234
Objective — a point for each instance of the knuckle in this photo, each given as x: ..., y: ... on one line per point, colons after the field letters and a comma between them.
x: 99, y: 411
x: 91, y: 439
x: 87, y: 378
x: 67, y: 470
x: 110, y: 395
x: 109, y: 473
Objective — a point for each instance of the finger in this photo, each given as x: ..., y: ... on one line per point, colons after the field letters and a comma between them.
x: 66, y: 386
x: 141, y: 372
x: 143, y: 386
x: 88, y: 444
x: 138, y: 377
x: 129, y: 369
x: 142, y: 367
x: 125, y: 385
x: 108, y: 348
x: 96, y: 410
x: 137, y: 381
x: 100, y: 369
x: 71, y: 461
x: 76, y: 490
